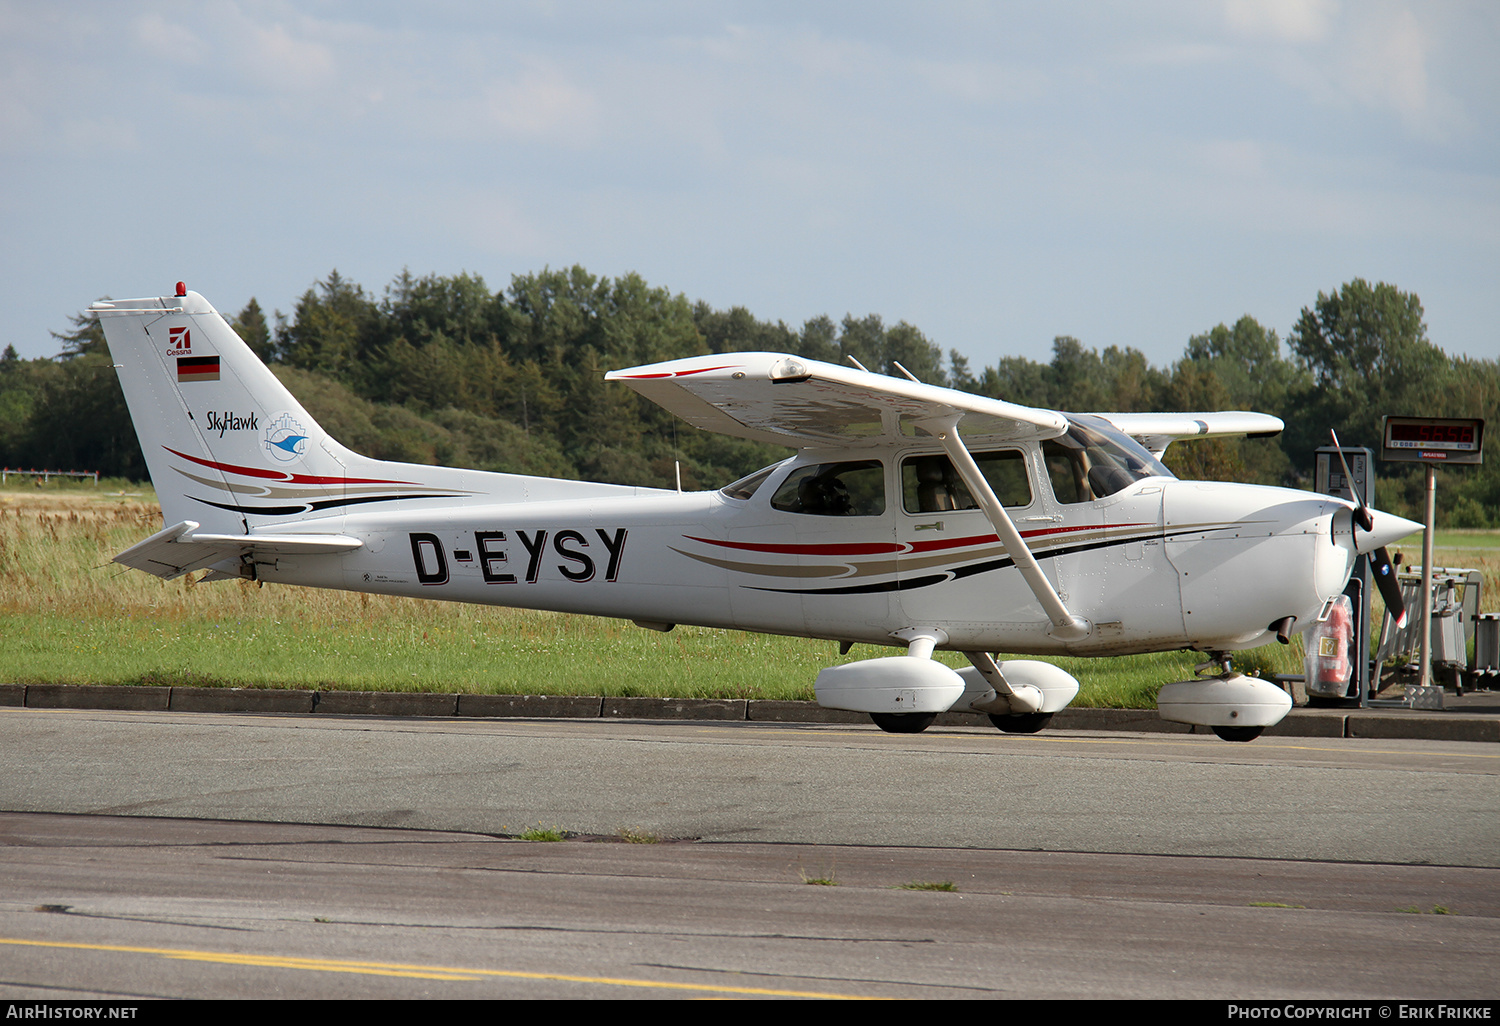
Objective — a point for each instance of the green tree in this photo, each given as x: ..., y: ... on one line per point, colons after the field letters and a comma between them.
x: 334, y: 330
x: 250, y: 325
x: 819, y: 340
x: 864, y: 340
x: 906, y: 345
x: 1015, y: 379
x: 1129, y: 383
x: 737, y: 331
x: 959, y: 375
x: 1249, y: 361
x: 78, y: 420
x: 1075, y: 376
x: 1367, y: 351
x: 86, y: 338
x: 460, y: 309
x: 1238, y: 368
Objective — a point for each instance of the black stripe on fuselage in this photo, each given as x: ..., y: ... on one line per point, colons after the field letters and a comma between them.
x: 971, y: 570
x: 308, y: 507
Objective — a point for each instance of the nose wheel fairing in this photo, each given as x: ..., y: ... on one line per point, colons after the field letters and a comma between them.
x: 1234, y: 701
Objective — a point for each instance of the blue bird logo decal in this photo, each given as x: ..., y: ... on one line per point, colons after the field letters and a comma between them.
x: 286, y: 439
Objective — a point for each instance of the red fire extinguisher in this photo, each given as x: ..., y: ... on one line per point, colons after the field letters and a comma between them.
x: 1326, y: 665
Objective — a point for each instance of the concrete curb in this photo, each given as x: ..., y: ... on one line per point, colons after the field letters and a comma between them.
x: 531, y: 706
x: 240, y: 700
x: 97, y: 696
x: 1380, y: 724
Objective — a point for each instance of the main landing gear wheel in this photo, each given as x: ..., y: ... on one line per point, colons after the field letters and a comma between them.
x: 1021, y: 723
x: 1238, y: 733
x: 903, y: 723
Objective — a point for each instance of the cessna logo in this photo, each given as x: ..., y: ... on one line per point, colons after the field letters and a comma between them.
x: 226, y: 421
x: 179, y: 342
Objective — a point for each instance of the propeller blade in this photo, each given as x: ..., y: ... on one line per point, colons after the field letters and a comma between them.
x: 1385, y: 579
x: 1361, y: 511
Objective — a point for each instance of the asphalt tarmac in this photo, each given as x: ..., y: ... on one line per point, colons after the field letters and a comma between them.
x: 170, y: 854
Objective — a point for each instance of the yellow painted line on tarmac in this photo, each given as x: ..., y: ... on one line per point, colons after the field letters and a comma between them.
x: 1183, y: 740
x: 1197, y: 740
x: 419, y: 972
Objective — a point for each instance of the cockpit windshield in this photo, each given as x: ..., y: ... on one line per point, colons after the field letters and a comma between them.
x: 1094, y: 460
x: 745, y: 487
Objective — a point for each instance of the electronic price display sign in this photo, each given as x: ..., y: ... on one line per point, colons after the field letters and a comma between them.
x: 1433, y: 439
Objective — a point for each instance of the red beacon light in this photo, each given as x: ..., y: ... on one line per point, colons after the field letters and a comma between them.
x: 181, y: 289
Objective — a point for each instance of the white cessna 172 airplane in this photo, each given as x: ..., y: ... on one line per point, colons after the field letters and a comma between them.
x: 911, y: 515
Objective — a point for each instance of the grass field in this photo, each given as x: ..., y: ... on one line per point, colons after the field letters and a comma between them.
x: 69, y: 615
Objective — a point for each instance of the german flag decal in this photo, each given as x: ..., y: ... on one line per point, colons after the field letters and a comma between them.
x: 197, y: 368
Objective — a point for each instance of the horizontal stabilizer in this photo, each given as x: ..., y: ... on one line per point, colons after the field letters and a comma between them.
x: 178, y: 550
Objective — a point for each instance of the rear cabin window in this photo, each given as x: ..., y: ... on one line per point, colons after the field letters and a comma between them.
x: 930, y: 484
x: 853, y: 489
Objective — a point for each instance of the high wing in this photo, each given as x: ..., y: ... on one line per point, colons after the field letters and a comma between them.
x: 787, y: 400
x: 1156, y: 431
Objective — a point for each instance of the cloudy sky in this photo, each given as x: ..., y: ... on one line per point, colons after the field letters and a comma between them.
x: 994, y: 173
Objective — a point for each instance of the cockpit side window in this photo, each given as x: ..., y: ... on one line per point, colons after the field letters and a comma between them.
x: 1093, y: 460
x: 930, y: 484
x: 851, y: 489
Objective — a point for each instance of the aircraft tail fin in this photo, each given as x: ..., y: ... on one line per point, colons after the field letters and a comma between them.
x: 230, y: 449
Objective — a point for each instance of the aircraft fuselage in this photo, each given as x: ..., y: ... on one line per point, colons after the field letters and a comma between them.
x: 1161, y: 564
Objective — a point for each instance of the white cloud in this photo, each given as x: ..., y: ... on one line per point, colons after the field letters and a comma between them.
x: 168, y: 39
x: 1387, y: 63
x: 542, y: 102
x: 1230, y: 158
x: 90, y: 137
x: 1289, y: 21
x: 484, y: 219
x: 276, y: 56
x: 1376, y: 54
x: 976, y: 82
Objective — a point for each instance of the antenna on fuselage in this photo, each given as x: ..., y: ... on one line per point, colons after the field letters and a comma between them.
x: 851, y: 359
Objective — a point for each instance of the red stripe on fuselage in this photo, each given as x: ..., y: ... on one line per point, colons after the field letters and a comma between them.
x: 848, y: 549
x: 281, y: 475
x: 990, y: 539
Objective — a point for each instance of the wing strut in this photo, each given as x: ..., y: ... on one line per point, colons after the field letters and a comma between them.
x: 1065, y: 626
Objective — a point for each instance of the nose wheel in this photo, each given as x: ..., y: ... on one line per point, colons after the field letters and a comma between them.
x: 1021, y: 723
x: 1238, y: 733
